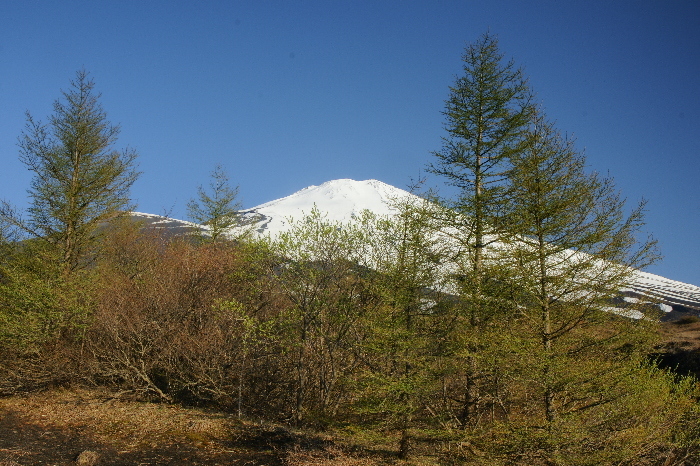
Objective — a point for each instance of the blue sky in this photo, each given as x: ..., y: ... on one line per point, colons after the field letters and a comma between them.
x: 287, y: 94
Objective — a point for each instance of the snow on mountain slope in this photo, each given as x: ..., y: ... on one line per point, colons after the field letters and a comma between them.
x: 170, y: 227
x: 340, y: 200
x: 675, y: 295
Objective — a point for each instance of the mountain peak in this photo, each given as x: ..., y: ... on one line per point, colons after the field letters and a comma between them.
x: 364, y: 192
x: 339, y: 200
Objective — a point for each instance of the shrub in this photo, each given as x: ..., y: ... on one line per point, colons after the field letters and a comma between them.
x: 180, y: 321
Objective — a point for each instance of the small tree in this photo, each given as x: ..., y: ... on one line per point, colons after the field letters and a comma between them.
x: 406, y: 338
x: 319, y: 278
x: 219, y: 210
x: 573, y: 250
x: 80, y: 182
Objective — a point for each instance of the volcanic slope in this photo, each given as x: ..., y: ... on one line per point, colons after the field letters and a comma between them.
x: 344, y: 199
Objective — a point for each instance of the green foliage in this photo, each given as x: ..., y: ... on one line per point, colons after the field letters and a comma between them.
x: 549, y: 371
x: 406, y: 334
x: 573, y: 251
x: 574, y: 368
x: 640, y: 425
x: 487, y: 112
x: 217, y: 210
x: 324, y: 281
x: 80, y: 182
x: 252, y: 333
x: 38, y: 303
x: 487, y: 330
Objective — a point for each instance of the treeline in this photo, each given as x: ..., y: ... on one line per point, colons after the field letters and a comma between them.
x: 485, y: 326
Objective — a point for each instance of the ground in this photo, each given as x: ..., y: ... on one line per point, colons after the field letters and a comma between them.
x: 681, y: 348
x: 55, y: 426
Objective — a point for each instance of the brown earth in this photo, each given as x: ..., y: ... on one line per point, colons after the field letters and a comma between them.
x: 680, y: 350
x: 56, y: 426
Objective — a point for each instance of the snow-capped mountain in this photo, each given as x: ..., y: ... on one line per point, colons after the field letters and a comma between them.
x: 341, y: 200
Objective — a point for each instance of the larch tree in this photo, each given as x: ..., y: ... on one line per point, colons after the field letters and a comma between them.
x: 487, y: 113
x: 80, y: 181
x: 573, y: 250
x: 405, y: 343
x: 217, y: 209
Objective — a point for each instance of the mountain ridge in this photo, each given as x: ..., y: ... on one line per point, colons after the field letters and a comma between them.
x: 340, y: 200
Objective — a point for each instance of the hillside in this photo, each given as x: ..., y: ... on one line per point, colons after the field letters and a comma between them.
x: 217, y: 352
x: 344, y: 199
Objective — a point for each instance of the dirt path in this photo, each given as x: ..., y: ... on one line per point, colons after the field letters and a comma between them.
x: 56, y: 426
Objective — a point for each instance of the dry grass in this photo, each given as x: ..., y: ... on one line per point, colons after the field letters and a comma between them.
x: 53, y: 427
x: 683, y: 333
x: 680, y: 351
x: 117, y: 423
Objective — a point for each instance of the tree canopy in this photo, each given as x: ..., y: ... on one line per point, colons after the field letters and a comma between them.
x: 80, y: 181
x: 218, y: 209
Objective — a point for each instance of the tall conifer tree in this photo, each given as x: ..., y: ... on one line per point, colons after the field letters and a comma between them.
x: 573, y: 250
x: 80, y: 181
x: 487, y: 113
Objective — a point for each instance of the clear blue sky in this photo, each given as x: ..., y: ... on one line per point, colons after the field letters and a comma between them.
x: 286, y: 94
